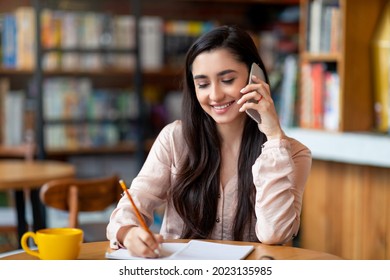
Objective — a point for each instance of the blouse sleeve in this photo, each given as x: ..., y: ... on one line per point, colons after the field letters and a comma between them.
x: 148, y: 189
x: 280, y: 175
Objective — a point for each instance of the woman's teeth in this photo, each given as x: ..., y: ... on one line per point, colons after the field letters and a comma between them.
x: 223, y: 106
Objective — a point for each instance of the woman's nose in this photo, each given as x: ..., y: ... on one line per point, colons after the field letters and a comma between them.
x: 216, y: 93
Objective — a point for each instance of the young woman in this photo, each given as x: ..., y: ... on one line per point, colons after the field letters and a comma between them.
x: 219, y: 173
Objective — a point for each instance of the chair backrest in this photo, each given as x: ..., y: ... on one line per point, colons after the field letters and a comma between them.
x: 81, y: 195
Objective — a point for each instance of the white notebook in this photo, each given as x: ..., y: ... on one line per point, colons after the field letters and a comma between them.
x: 193, y: 250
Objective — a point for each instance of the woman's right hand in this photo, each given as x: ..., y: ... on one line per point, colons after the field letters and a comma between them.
x: 140, y: 244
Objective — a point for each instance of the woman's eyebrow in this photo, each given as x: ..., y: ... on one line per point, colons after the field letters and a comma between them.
x: 227, y: 71
x: 200, y: 77
x: 224, y: 72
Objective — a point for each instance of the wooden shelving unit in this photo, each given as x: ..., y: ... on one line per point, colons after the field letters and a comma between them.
x: 32, y: 80
x: 345, y: 206
x: 167, y: 78
x: 352, y: 61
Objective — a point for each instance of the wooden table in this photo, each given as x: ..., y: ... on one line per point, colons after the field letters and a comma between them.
x: 21, y: 174
x: 96, y: 251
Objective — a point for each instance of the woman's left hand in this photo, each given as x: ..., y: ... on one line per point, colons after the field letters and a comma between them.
x: 260, y: 91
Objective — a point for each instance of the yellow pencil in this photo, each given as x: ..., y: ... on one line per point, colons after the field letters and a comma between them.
x: 137, y: 213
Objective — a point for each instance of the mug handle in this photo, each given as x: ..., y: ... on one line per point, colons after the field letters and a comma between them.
x: 25, y: 247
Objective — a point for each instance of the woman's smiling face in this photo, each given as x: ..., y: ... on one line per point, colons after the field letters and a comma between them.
x: 218, y: 78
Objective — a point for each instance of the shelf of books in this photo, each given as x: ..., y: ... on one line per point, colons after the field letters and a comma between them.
x: 337, y: 82
x: 321, y: 62
x: 74, y: 113
x: 89, y: 103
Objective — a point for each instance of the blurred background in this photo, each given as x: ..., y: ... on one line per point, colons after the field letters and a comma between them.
x: 92, y: 83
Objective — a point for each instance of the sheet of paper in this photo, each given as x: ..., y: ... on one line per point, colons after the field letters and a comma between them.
x: 193, y: 250
x: 167, y: 250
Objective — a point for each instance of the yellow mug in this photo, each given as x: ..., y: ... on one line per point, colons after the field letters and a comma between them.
x: 54, y: 243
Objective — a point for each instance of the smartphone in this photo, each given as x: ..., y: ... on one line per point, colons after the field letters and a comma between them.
x: 255, y: 70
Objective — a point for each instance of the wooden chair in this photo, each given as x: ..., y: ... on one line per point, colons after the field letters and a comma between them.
x: 83, y: 195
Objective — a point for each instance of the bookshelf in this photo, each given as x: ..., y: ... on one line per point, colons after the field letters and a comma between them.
x: 124, y: 82
x: 345, y: 206
x: 155, y: 82
x: 350, y: 61
x: 90, y: 52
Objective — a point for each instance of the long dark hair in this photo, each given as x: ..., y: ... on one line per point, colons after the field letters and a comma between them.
x: 195, y: 192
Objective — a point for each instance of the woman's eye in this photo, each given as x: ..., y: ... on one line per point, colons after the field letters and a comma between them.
x: 228, y: 81
x: 202, y: 85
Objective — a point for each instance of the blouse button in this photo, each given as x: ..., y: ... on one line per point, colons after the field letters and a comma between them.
x: 219, y: 195
x: 217, y: 220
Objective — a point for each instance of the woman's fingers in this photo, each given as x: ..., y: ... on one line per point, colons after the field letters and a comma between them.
x: 254, y: 98
x: 263, y: 103
x: 255, y: 92
x: 141, y: 244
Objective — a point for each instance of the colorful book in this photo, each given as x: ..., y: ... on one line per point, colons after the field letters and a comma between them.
x: 124, y: 37
x: 14, y: 104
x: 151, y: 42
x: 51, y: 26
x: 71, y: 24
x: 335, y: 30
x: 288, y: 92
x: 26, y: 43
x: 315, y: 20
x: 332, y: 102
x: 317, y: 75
x: 9, y: 42
x: 305, y: 99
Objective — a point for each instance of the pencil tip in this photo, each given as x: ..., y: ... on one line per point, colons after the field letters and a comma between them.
x: 157, y: 252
